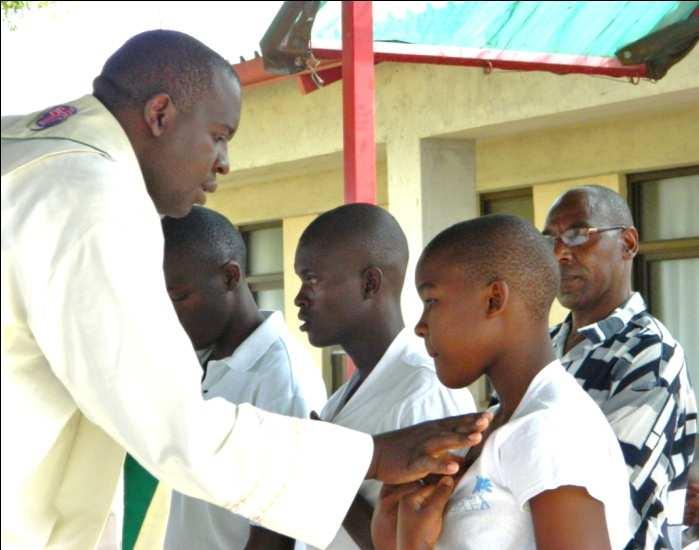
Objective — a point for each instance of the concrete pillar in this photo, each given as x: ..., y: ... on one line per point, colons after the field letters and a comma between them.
x: 405, y: 203
x: 448, y: 184
x: 431, y: 185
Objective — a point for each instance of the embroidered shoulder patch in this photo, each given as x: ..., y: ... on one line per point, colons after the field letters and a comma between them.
x: 53, y: 116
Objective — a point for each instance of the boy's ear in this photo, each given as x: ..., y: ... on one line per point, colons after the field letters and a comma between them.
x: 372, y: 277
x: 232, y: 274
x: 159, y: 114
x: 498, y: 296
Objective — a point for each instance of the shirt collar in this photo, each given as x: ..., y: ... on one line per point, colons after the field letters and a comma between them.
x: 392, y: 354
x: 541, y: 378
x: 249, y: 352
x: 606, y: 328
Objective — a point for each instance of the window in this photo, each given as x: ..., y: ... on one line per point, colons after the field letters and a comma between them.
x: 517, y: 202
x: 265, y: 271
x: 665, y: 207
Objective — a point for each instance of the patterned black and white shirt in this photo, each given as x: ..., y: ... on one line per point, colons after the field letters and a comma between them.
x: 633, y: 368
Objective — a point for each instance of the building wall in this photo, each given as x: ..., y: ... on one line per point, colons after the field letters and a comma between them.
x: 506, y: 129
x: 637, y: 142
x: 279, y: 125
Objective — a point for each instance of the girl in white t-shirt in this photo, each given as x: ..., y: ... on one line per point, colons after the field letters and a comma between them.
x: 550, y: 474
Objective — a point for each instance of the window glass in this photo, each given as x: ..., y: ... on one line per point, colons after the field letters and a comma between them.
x: 265, y: 267
x: 270, y: 300
x: 674, y: 299
x: 667, y: 267
x: 669, y: 208
x: 518, y: 206
x: 265, y: 251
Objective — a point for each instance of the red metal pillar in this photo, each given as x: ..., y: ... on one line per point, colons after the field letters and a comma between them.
x: 358, y: 102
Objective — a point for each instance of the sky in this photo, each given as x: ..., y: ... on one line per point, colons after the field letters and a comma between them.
x: 55, y: 52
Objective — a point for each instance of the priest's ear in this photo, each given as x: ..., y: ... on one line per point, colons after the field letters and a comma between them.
x: 159, y: 113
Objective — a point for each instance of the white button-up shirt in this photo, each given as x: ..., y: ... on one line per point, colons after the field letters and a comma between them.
x: 270, y: 370
x: 400, y: 391
x: 94, y: 360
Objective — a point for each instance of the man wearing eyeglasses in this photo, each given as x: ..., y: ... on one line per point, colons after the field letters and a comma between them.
x: 624, y: 357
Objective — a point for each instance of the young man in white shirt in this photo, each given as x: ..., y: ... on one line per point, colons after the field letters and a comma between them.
x: 247, y: 356
x: 352, y: 262
x: 550, y: 474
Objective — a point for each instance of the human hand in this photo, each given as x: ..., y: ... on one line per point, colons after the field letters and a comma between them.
x: 691, y: 505
x: 412, y: 453
x: 420, y: 515
x: 384, y: 522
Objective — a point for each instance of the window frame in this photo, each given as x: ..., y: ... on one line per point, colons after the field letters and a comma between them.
x: 518, y: 193
x: 262, y: 281
x: 661, y: 249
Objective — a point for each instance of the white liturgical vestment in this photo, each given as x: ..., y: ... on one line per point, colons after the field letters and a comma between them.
x: 94, y: 360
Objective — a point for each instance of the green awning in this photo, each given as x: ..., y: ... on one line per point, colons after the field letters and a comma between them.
x: 544, y: 34
x: 580, y: 28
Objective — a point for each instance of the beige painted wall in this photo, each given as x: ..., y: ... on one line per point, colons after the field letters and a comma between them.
x: 270, y: 197
x: 280, y: 125
x: 621, y: 144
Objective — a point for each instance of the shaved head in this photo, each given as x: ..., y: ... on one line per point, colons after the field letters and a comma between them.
x: 505, y: 248
x: 608, y: 206
x: 204, y: 236
x: 367, y: 232
x: 159, y: 61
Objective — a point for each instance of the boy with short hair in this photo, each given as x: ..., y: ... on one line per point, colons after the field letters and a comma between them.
x: 550, y: 474
x: 247, y: 357
x: 352, y: 262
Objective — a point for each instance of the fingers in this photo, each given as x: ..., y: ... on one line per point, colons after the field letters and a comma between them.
x: 444, y: 465
x: 440, y: 496
x: 417, y: 498
x: 433, y: 496
x: 458, y: 432
x: 467, y: 423
x: 433, y: 479
x: 449, y: 441
x: 412, y: 453
x: 391, y: 494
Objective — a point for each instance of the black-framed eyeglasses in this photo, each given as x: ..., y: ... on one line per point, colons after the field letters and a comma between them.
x: 578, y: 236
